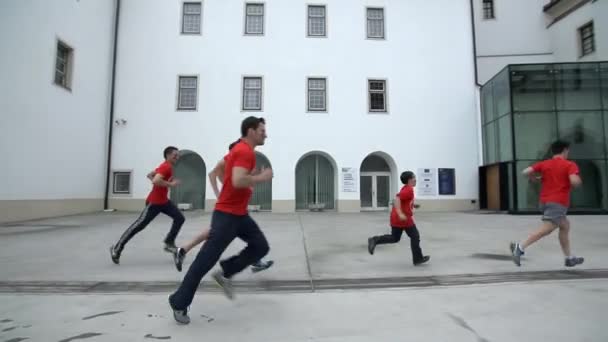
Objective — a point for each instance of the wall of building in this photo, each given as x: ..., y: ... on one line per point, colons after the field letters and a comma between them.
x: 432, y: 111
x: 55, y: 138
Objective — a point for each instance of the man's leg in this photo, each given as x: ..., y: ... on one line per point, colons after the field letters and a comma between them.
x: 198, y: 239
x: 146, y: 216
x: 180, y: 252
x: 564, y: 241
x: 414, y: 236
x: 517, y: 249
x: 257, y: 247
x: 394, y: 237
x: 223, y: 231
x: 171, y: 210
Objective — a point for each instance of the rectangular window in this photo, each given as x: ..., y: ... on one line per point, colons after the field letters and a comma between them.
x: 187, y: 93
x: 377, y: 95
x: 488, y: 9
x: 122, y: 182
x: 252, y: 93
x: 587, y: 39
x: 191, y: 21
x: 254, y: 19
x: 375, y: 23
x: 63, y: 65
x: 316, y: 21
x: 317, y: 94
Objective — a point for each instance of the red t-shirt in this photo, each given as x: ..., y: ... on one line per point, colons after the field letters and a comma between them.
x: 232, y: 200
x: 555, y: 181
x: 406, y: 195
x: 158, y: 195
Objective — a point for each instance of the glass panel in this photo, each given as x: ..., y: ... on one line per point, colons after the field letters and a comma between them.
x: 487, y: 102
x: 577, y: 86
x: 585, y: 133
x: 532, y: 87
x: 382, y: 191
x: 590, y: 195
x: 527, y: 192
x: 326, y: 182
x: 262, y: 192
x: 191, y: 190
x: 501, y: 93
x: 255, y: 24
x: 374, y: 163
x: 305, y: 182
x: 606, y: 132
x: 366, y: 191
x: 491, y: 147
x: 534, y: 133
x: 187, y: 98
x: 604, y: 80
x: 377, y: 101
x: 505, y: 143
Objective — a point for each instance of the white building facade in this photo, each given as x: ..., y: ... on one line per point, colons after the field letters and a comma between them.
x: 336, y: 81
x: 538, y: 31
x: 354, y: 93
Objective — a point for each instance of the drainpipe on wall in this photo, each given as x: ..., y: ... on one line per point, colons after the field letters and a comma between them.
x: 474, y: 43
x: 111, y: 121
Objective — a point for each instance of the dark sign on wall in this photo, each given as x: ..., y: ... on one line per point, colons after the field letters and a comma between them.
x: 447, y: 181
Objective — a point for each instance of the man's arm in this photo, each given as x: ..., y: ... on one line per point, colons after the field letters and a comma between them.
x: 150, y: 175
x: 158, y: 180
x: 397, y: 206
x: 530, y: 173
x: 242, y: 178
x: 217, y: 172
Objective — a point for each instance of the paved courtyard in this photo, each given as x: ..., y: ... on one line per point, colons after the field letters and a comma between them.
x: 58, y: 283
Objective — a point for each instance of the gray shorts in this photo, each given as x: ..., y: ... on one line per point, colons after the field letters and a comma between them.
x: 553, y: 212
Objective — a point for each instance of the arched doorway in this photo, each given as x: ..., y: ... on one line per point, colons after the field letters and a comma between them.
x: 262, y: 192
x: 191, y: 171
x: 375, y: 183
x: 315, y: 182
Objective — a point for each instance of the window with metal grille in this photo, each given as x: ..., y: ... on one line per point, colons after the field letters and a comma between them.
x: 63, y: 65
x: 488, y: 9
x: 316, y: 21
x: 187, y: 93
x: 587, y: 39
x: 377, y: 95
x: 122, y: 182
x: 375, y: 23
x: 317, y: 94
x: 191, y: 21
x: 254, y: 19
x: 252, y: 93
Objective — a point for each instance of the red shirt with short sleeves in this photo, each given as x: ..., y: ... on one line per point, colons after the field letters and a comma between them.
x: 555, y: 180
x: 159, y: 194
x: 406, y: 195
x: 234, y: 200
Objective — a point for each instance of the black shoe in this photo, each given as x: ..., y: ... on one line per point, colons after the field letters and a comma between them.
x: 115, y: 255
x: 178, y: 258
x: 260, y: 266
x: 170, y: 248
x: 371, y: 245
x: 180, y: 316
x: 424, y: 259
x: 571, y: 262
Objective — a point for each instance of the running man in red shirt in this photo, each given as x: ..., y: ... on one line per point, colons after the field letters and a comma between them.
x: 558, y: 175
x: 180, y: 254
x: 156, y: 203
x: 402, y: 219
x: 230, y: 220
